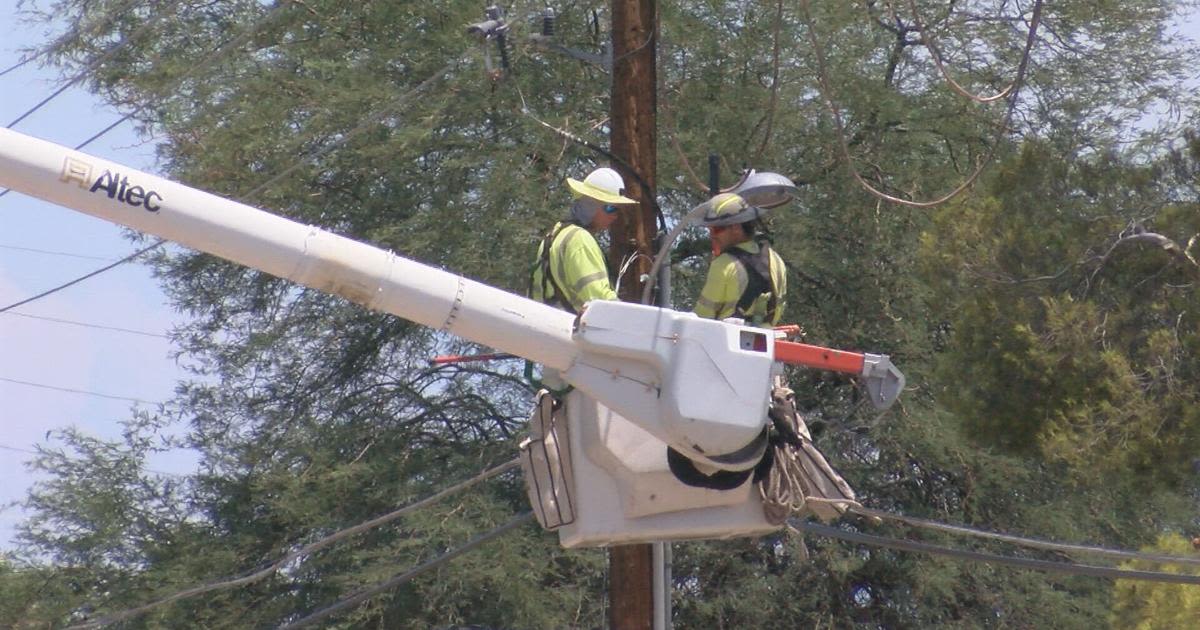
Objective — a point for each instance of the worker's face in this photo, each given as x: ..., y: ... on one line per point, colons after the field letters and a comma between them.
x: 724, y: 236
x: 605, y: 216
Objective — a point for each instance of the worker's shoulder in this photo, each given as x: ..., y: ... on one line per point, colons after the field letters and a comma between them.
x: 572, y: 235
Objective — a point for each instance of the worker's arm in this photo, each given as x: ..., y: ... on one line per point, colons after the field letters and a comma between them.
x: 724, y: 285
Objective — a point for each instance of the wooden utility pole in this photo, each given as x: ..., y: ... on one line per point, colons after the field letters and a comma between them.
x: 634, y: 141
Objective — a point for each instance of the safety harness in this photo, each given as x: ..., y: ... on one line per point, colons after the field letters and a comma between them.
x: 759, y: 280
x: 559, y: 300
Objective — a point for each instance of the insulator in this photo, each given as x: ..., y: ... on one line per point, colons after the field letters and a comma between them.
x: 548, y: 22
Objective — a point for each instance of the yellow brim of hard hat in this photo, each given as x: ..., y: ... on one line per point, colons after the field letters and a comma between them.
x: 599, y: 194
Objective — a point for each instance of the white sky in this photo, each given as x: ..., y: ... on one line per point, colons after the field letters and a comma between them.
x: 61, y: 355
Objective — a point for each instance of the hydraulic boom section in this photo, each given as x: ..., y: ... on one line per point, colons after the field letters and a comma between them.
x: 698, y: 385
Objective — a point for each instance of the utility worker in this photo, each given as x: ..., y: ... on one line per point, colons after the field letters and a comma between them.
x: 747, y: 279
x: 570, y: 269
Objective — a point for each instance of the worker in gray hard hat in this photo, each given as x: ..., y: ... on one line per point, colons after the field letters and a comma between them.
x: 746, y: 279
x: 570, y: 269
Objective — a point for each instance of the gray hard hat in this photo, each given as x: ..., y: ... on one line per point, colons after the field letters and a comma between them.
x: 728, y: 209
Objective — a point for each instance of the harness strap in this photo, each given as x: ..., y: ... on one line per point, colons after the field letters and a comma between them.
x: 759, y: 280
x: 559, y: 300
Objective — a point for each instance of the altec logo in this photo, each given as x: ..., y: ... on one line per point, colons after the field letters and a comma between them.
x: 114, y: 185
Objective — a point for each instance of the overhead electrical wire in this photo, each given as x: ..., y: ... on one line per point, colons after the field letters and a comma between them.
x: 71, y: 322
x: 365, y: 594
x: 304, y: 551
x: 56, y: 253
x: 78, y: 391
x: 826, y: 90
x: 1117, y: 554
x: 163, y: 473
x: 213, y: 56
x: 928, y: 40
x: 1071, y: 568
x: 82, y: 278
x: 96, y: 63
x: 19, y: 64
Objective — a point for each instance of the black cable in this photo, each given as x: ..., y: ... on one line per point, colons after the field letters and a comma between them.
x: 19, y: 64
x: 975, y: 556
x: 78, y: 391
x: 82, y: 278
x: 368, y: 593
x: 55, y: 253
x: 306, y: 550
x: 108, y: 54
x: 72, y: 322
x: 1018, y: 540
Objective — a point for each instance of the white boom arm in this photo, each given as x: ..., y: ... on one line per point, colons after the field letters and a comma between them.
x: 363, y: 274
x: 701, y: 386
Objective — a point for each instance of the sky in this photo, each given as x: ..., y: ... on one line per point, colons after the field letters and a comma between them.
x: 46, y: 354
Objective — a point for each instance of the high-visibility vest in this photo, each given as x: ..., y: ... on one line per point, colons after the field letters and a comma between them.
x: 749, y: 280
x: 570, y: 269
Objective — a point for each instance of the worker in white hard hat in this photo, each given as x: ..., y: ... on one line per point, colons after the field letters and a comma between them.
x: 570, y: 270
x: 746, y: 279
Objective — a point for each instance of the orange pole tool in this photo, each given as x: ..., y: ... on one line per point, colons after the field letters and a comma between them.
x: 804, y: 354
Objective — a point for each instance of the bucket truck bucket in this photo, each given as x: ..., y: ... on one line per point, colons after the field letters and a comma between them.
x: 598, y: 479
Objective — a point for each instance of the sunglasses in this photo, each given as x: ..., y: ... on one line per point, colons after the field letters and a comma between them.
x: 611, y: 209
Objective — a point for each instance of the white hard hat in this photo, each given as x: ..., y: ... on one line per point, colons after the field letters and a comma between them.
x: 602, y: 184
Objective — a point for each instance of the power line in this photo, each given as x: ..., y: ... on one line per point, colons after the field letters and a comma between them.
x: 368, y: 593
x: 342, y: 139
x: 217, y: 53
x: 96, y: 63
x: 92, y: 139
x: 303, y: 551
x: 826, y: 91
x: 82, y: 278
x: 78, y: 391
x: 53, y: 253
x: 164, y: 473
x: 1071, y: 568
x: 19, y: 64
x: 87, y: 325
x: 1027, y: 542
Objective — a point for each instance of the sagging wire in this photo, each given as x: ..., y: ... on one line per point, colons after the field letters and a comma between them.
x: 367, y: 593
x: 1072, y: 568
x: 928, y: 40
x: 304, y: 551
x: 217, y: 53
x: 826, y: 90
x: 96, y: 63
x: 1117, y: 554
x: 645, y: 186
x: 774, y: 103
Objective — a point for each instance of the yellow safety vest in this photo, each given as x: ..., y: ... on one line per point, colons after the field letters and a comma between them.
x: 572, y: 271
x: 730, y: 291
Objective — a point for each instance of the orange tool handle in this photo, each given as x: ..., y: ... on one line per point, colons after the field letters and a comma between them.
x: 804, y: 354
x: 789, y: 330
x: 446, y: 359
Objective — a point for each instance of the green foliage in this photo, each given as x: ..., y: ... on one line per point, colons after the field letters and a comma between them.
x: 1051, y: 365
x: 1151, y: 606
x: 1059, y: 345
